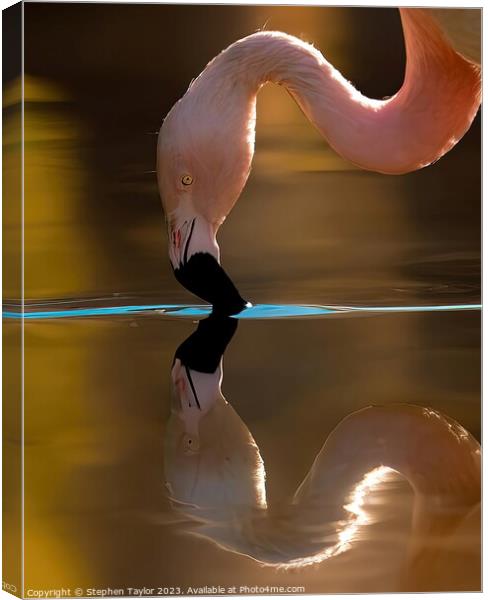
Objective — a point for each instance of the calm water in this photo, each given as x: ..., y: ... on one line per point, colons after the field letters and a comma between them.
x: 309, y: 230
x: 97, y: 412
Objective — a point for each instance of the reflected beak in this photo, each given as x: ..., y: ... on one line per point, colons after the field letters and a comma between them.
x: 202, y: 275
x: 203, y: 350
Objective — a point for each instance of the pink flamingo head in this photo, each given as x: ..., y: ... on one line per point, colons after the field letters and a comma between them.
x: 203, y: 165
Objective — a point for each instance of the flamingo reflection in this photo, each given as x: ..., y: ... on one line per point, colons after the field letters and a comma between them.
x: 216, y: 477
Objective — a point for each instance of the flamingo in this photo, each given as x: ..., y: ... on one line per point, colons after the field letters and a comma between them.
x: 215, y: 475
x: 206, y: 141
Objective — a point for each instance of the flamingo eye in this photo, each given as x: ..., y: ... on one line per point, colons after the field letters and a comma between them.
x: 187, y: 180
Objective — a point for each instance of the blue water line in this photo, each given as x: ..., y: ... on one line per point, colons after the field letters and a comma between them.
x: 260, y: 311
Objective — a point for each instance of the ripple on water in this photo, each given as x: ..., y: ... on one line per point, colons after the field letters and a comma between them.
x: 258, y: 311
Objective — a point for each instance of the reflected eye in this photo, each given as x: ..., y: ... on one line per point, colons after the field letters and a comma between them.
x: 187, y: 180
x: 190, y: 444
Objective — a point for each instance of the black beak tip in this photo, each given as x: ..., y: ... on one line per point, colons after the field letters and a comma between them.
x: 229, y: 308
x: 203, y: 276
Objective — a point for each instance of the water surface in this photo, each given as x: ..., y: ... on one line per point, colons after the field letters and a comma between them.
x: 98, y: 406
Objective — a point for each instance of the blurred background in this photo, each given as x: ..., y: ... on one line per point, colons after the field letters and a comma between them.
x: 309, y: 228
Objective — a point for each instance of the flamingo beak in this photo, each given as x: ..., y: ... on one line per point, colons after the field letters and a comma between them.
x: 202, y: 275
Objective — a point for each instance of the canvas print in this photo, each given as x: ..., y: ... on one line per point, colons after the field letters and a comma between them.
x: 241, y: 299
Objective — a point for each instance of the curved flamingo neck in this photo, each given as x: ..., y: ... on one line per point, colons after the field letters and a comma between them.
x: 431, y: 112
x: 439, y: 459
